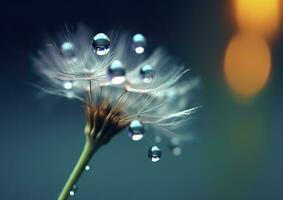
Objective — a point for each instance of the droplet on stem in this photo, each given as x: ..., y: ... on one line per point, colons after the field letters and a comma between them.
x: 87, y: 167
x: 74, y: 190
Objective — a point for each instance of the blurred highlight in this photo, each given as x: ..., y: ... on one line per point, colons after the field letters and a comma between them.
x: 261, y: 16
x: 247, y: 64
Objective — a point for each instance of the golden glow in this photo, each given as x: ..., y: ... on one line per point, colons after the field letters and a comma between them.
x: 247, y: 64
x: 261, y: 16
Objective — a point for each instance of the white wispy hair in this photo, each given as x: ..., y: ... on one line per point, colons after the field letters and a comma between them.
x: 160, y: 103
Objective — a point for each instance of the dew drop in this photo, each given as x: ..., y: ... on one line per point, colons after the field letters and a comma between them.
x: 117, y: 72
x: 147, y: 73
x: 154, y: 154
x: 174, y: 146
x: 175, y: 141
x: 87, y: 167
x: 68, y: 50
x: 157, y: 139
x: 68, y: 85
x: 101, y: 44
x: 136, y: 130
x: 139, y: 43
x: 74, y: 190
x: 176, y: 151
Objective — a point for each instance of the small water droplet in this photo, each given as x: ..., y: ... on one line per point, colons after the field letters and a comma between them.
x: 74, y: 190
x: 117, y: 72
x: 136, y: 130
x: 154, y: 153
x: 68, y: 85
x: 157, y: 139
x: 174, y: 146
x: 175, y: 141
x: 176, y: 151
x: 101, y: 44
x: 68, y: 50
x: 147, y: 73
x: 139, y: 43
x: 87, y: 167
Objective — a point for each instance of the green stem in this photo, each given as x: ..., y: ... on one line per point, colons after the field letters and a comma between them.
x: 86, y: 155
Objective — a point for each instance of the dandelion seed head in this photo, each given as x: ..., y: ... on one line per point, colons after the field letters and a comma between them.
x: 117, y: 86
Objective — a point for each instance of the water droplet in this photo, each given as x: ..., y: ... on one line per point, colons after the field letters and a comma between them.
x: 68, y: 85
x: 87, y: 167
x: 136, y: 130
x: 139, y: 43
x: 176, y: 151
x: 174, y: 146
x: 147, y: 73
x: 157, y: 139
x: 117, y: 72
x: 101, y: 44
x: 68, y: 50
x: 154, y: 154
x: 74, y: 190
x: 175, y: 141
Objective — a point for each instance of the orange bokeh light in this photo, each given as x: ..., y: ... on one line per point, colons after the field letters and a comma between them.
x: 261, y: 16
x: 247, y: 64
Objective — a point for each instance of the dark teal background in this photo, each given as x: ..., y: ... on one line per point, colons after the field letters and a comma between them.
x: 238, y: 151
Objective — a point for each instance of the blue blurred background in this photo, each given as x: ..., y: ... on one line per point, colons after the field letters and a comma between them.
x: 238, y: 150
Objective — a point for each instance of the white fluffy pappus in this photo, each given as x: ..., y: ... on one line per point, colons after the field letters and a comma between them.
x: 160, y: 101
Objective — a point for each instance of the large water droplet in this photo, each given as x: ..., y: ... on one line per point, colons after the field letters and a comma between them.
x: 136, y: 130
x: 139, y: 43
x: 117, y: 72
x: 147, y: 73
x: 74, y: 190
x: 101, y: 44
x: 154, y: 154
x: 68, y: 50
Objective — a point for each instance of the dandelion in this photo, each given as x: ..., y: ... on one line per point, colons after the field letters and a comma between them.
x: 120, y: 87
